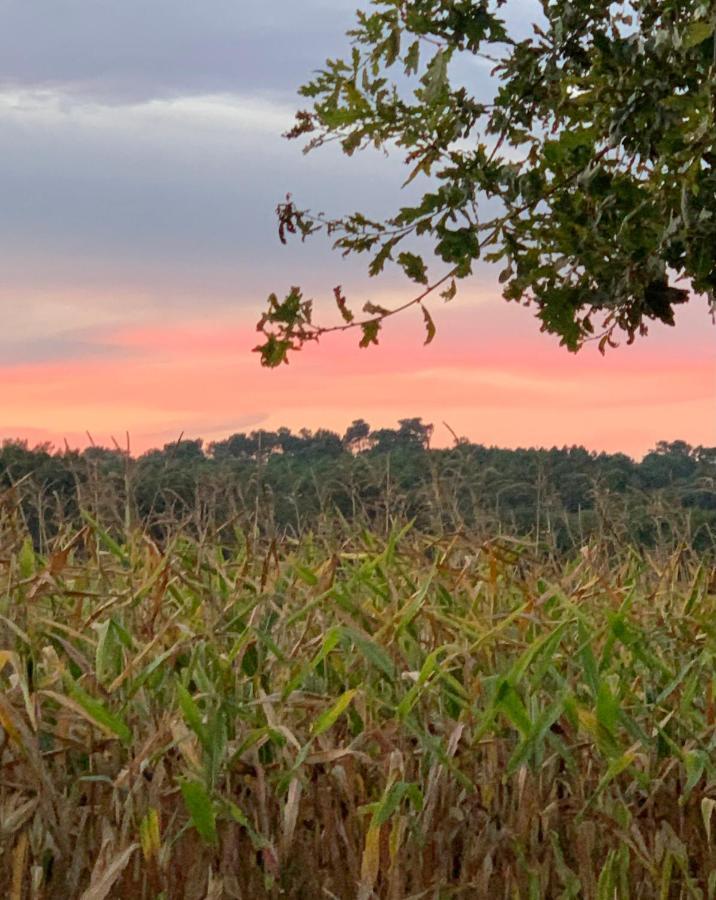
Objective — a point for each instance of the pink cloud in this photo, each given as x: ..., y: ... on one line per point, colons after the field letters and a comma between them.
x: 489, y: 373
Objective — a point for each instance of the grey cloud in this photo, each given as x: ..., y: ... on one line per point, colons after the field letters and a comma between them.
x: 58, y: 348
x: 137, y: 194
x: 121, y: 175
x: 139, y: 49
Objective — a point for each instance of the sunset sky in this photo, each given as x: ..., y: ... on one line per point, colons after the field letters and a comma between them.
x: 141, y: 165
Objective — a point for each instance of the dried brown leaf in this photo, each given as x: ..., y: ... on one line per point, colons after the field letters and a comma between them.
x: 104, y: 875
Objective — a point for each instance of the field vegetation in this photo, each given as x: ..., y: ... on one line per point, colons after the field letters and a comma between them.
x: 353, y: 713
x: 279, y: 483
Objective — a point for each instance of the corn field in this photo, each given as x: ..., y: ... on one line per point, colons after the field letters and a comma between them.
x: 355, y: 717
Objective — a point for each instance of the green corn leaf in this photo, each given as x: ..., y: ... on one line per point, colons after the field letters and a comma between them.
x: 543, y: 646
x: 372, y: 652
x: 411, y: 609
x: 616, y: 767
x: 98, y: 711
x: 392, y: 799
x: 104, y: 668
x: 695, y: 762
x: 510, y: 704
x: 26, y: 559
x: 217, y: 737
x: 108, y: 541
x: 389, y: 803
x: 238, y: 815
x: 428, y: 668
x: 537, y: 734
x: 308, y: 576
x: 156, y: 664
x: 607, y: 709
x: 331, y: 716
x: 330, y: 642
x: 192, y: 714
x: 201, y: 809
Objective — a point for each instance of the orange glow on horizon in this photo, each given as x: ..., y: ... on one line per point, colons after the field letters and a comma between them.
x: 488, y: 374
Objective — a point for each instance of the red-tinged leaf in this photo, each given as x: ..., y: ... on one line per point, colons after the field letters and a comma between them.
x: 375, y: 309
x: 342, y: 304
x: 429, y: 325
x: 449, y: 291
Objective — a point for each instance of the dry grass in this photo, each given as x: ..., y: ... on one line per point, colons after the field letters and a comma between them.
x: 395, y: 719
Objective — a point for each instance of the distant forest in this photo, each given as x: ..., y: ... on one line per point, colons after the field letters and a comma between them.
x: 278, y: 483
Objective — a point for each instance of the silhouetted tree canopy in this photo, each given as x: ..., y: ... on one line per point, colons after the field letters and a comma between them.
x: 278, y: 482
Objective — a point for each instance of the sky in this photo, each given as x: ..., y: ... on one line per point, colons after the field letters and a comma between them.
x: 142, y: 162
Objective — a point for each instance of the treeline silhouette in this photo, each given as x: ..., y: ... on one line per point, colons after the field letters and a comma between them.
x: 278, y: 483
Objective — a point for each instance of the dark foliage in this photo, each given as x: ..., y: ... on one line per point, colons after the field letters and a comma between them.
x: 281, y: 483
x: 579, y: 159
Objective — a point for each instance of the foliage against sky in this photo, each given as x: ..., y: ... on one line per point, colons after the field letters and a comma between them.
x: 597, y: 147
x: 142, y: 161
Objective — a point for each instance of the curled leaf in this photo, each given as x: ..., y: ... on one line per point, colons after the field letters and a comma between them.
x: 370, y: 332
x: 342, y: 304
x: 430, y: 329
